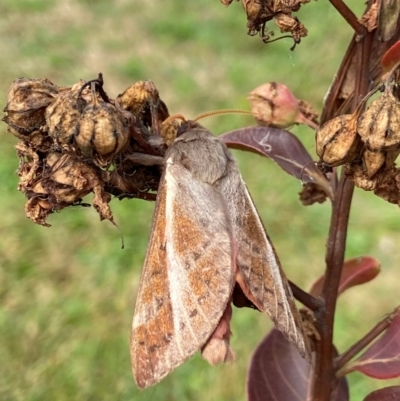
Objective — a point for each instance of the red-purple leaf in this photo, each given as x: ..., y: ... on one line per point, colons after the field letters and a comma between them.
x: 391, y: 57
x: 283, y: 148
x: 277, y: 372
x: 382, y: 359
x: 391, y: 393
x: 355, y: 272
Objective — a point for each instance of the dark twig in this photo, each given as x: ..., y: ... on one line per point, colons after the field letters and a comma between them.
x: 305, y: 298
x: 349, y: 16
x: 379, y: 328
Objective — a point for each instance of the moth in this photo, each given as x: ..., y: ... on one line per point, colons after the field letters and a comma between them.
x: 206, y: 238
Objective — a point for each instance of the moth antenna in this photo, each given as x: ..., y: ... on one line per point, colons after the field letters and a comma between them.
x: 175, y: 117
x: 217, y: 112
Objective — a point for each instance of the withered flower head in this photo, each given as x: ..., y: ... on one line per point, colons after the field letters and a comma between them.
x: 290, y: 24
x: 69, y: 135
x: 143, y: 101
x: 26, y: 103
x: 259, y: 12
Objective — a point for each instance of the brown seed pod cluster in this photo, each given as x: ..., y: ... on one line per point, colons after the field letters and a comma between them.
x: 366, y: 143
x: 259, y: 12
x: 75, y: 140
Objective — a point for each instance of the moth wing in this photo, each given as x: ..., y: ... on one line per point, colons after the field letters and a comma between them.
x: 258, y: 263
x: 187, y: 278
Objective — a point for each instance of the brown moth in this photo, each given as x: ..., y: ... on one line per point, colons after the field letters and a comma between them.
x: 206, y: 235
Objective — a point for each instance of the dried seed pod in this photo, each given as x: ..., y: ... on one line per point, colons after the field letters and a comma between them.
x: 337, y: 140
x: 360, y: 177
x: 63, y: 114
x: 373, y: 161
x: 135, y: 98
x: 378, y: 161
x: 103, y: 131
x: 143, y: 101
x: 27, y: 100
x: 379, y: 125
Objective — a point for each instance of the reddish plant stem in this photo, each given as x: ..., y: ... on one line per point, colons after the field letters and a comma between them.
x: 305, y: 298
x: 324, y: 373
x: 349, y: 16
x: 379, y: 328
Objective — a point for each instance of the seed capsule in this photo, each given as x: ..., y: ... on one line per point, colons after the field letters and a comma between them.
x: 359, y: 176
x: 379, y: 125
x: 143, y: 101
x: 337, y: 140
x: 103, y: 131
x: 27, y: 100
x: 373, y: 161
x: 63, y: 114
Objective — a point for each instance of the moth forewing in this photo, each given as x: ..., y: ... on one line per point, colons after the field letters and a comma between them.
x: 188, y: 274
x: 259, y: 270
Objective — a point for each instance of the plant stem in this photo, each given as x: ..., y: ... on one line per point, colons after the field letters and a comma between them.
x: 305, y: 298
x: 324, y: 373
x: 349, y: 16
x: 380, y: 327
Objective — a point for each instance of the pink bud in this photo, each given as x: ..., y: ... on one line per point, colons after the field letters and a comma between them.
x: 274, y: 105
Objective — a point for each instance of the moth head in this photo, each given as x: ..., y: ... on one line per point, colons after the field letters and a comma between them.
x: 188, y: 125
x: 176, y: 125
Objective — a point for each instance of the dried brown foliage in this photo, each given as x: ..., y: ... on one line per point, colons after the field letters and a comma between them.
x: 367, y: 143
x: 76, y: 140
x: 259, y: 12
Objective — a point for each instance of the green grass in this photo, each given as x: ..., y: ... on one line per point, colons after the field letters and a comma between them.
x: 67, y: 292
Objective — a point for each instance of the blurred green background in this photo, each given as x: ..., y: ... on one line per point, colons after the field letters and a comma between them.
x: 68, y: 291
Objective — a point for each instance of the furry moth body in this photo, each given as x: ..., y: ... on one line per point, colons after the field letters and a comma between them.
x: 206, y: 235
